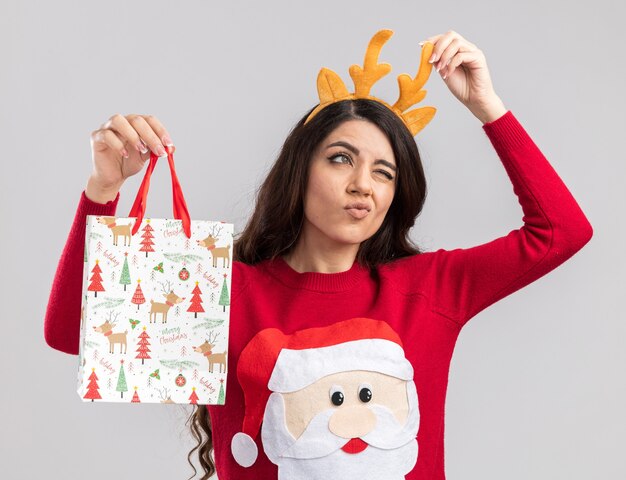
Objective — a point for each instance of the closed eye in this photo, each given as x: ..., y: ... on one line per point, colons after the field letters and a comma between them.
x: 386, y: 174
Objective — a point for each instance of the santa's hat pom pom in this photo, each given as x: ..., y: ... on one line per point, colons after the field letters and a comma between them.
x: 244, y: 449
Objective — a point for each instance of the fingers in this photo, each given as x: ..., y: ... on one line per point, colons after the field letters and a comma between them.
x: 446, y: 46
x: 140, y: 131
x: 150, y: 138
x: 468, y: 58
x: 105, y: 138
x: 458, y: 59
x: 159, y: 129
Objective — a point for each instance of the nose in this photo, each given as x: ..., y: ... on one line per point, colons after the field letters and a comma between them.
x: 352, y: 422
x: 361, y: 181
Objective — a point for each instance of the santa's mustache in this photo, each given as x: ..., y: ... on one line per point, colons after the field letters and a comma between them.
x: 318, y: 441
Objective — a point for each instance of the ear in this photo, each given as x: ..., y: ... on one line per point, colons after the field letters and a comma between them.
x: 417, y: 118
x: 330, y: 86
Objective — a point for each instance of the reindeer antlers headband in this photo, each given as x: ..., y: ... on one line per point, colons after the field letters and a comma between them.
x: 331, y: 88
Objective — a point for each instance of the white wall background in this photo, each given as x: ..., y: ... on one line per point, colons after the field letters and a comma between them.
x: 537, y: 385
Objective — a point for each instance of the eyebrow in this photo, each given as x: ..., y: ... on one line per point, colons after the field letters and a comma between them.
x: 356, y: 151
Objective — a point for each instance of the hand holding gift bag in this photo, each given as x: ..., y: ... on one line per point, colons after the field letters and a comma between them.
x: 156, y: 305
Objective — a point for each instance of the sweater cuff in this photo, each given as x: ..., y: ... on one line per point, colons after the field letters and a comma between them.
x: 506, y: 133
x: 87, y: 206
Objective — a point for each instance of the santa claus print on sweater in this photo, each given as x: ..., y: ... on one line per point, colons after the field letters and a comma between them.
x: 334, y: 400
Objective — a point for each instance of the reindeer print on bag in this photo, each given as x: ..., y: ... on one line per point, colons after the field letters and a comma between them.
x: 216, y: 252
x: 106, y: 329
x: 206, y: 349
x: 117, y: 230
x: 171, y: 299
x: 160, y: 317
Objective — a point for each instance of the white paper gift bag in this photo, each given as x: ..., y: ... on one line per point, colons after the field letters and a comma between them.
x: 155, y: 305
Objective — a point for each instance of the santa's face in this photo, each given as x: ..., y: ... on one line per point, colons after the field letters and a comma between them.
x: 356, y: 424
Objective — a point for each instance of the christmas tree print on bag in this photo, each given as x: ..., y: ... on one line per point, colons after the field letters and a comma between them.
x: 155, y: 306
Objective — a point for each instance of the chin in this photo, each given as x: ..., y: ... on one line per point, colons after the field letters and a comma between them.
x: 340, y: 232
x: 352, y: 236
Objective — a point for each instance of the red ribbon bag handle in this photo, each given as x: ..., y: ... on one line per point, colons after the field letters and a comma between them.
x: 180, y: 206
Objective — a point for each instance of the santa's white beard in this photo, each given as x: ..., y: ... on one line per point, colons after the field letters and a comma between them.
x: 316, y: 455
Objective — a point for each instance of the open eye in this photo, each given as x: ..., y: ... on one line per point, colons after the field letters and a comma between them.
x: 365, y: 392
x: 336, y: 395
x: 340, y: 155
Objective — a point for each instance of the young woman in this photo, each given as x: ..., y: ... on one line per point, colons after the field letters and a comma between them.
x: 342, y: 330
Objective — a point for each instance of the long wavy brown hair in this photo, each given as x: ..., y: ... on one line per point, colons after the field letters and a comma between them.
x: 274, y: 227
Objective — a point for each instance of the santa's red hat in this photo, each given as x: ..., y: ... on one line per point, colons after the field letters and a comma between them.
x: 275, y: 362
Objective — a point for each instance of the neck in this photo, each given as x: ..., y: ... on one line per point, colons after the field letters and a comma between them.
x: 322, y: 256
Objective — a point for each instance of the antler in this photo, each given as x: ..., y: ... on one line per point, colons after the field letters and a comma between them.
x: 112, y: 321
x: 331, y: 88
x: 411, y: 93
x: 164, y: 393
x: 165, y: 289
x: 215, y: 231
x: 212, y: 338
x: 372, y: 71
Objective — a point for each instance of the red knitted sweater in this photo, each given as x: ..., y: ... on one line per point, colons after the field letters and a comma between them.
x: 421, y: 301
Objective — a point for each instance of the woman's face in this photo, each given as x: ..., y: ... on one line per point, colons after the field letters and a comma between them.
x: 353, y: 164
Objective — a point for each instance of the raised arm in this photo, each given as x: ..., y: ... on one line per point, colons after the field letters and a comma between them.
x: 463, y: 282
x: 62, y: 320
x: 113, y: 163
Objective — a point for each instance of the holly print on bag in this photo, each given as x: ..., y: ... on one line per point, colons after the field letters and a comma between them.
x: 152, y: 314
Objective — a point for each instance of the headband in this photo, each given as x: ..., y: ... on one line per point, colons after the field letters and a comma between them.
x: 331, y: 88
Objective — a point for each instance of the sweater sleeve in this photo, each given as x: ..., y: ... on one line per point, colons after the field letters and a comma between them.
x: 62, y: 319
x: 465, y: 281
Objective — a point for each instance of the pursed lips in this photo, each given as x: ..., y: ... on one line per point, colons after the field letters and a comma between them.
x: 359, y: 205
x: 358, y: 209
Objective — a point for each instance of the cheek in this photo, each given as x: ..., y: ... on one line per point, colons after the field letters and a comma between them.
x: 319, y: 197
x: 384, y: 199
x: 303, y: 405
x: 391, y: 393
